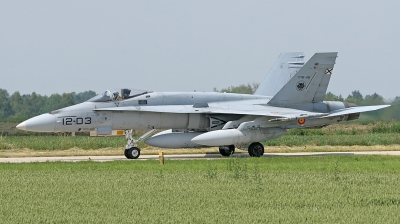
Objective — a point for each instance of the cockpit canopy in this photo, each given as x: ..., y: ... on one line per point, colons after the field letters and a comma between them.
x: 118, y: 95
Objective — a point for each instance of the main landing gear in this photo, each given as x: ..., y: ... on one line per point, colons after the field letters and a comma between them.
x: 131, y: 149
x: 255, y: 149
x: 227, y: 150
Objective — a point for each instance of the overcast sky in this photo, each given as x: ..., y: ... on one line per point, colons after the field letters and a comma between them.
x: 71, y: 46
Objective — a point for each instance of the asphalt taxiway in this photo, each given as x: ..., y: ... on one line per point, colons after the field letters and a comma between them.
x: 184, y: 156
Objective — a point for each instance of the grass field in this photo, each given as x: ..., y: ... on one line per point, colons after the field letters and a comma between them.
x: 343, y: 189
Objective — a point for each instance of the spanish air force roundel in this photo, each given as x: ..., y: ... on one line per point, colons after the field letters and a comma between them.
x: 300, y: 85
x: 301, y: 121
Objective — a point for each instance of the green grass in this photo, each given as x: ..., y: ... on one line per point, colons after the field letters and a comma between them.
x: 60, y: 142
x: 368, y: 139
x: 244, y: 190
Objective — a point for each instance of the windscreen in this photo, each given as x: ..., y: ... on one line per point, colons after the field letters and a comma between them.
x: 124, y: 93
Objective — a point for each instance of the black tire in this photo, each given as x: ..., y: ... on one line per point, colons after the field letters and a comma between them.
x: 256, y: 149
x: 132, y: 153
x: 227, y: 150
x: 126, y: 153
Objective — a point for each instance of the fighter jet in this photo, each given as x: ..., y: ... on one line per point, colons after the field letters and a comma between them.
x: 291, y: 96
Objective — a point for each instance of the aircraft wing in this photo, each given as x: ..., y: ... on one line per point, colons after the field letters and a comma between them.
x: 352, y: 110
x: 259, y: 110
x: 276, y: 113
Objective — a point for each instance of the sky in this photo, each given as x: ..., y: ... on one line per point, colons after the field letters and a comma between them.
x: 72, y: 46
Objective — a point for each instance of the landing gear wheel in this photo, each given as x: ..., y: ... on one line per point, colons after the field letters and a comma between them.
x: 256, y: 149
x: 227, y: 150
x: 132, y: 153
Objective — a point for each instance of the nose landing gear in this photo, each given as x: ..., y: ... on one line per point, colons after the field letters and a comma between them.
x: 131, y: 149
x: 132, y: 153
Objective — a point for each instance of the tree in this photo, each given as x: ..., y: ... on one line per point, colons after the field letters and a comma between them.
x: 68, y: 99
x: 36, y: 103
x: 17, y: 105
x: 5, y: 107
x: 374, y: 99
x: 243, y: 89
x: 54, y: 102
x: 396, y: 100
x: 355, y: 97
x: 29, y: 105
x: 84, y: 96
x: 332, y: 97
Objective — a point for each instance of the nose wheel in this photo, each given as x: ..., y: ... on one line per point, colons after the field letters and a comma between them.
x: 132, y: 153
x: 131, y: 149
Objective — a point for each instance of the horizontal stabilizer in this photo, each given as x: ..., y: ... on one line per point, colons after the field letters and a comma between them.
x: 353, y: 110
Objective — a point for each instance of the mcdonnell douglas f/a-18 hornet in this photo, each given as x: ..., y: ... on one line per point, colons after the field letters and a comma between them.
x: 290, y: 96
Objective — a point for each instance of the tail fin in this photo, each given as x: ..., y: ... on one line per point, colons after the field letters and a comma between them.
x: 287, y: 65
x: 310, y: 82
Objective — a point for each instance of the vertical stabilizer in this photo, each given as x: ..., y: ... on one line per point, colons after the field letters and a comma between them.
x: 309, y: 84
x: 287, y: 65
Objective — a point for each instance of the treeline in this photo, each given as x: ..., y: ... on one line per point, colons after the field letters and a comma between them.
x: 20, y: 107
x: 243, y: 89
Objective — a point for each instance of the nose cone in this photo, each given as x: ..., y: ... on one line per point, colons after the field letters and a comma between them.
x: 41, y: 123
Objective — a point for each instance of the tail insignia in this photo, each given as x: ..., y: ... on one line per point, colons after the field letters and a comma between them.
x: 328, y: 71
x: 300, y: 85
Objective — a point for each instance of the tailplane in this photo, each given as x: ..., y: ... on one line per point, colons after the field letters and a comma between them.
x: 287, y: 65
x: 309, y: 84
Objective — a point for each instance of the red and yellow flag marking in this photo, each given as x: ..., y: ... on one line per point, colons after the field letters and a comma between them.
x: 301, y: 121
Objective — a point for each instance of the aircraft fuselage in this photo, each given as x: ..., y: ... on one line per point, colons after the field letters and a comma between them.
x: 83, y: 117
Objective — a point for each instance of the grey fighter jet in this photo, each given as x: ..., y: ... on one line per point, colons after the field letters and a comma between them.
x: 290, y: 96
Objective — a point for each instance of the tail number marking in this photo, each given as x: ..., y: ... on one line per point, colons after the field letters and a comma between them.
x: 78, y: 120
